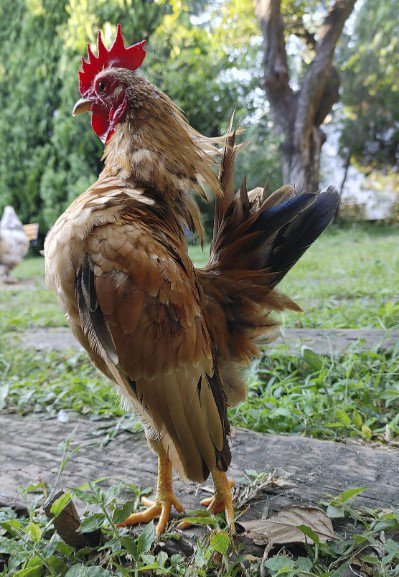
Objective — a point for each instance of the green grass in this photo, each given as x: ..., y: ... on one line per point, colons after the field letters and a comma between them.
x: 29, y: 304
x: 348, y: 279
x: 49, y: 381
x: 356, y: 396
x: 348, y: 267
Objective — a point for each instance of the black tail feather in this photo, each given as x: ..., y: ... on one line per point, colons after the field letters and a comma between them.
x: 257, y: 238
x: 258, y: 231
x: 295, y: 237
x: 275, y: 217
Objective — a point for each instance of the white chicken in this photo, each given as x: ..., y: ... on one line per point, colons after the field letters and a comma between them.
x: 14, y: 243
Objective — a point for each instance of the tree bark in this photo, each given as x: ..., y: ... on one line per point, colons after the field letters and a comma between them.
x: 299, y: 114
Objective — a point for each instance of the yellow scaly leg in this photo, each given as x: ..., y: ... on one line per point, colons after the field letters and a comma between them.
x: 222, y: 499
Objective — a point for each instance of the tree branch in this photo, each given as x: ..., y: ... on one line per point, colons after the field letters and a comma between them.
x: 276, y: 78
x: 315, y: 79
x: 298, y: 28
x: 329, y: 97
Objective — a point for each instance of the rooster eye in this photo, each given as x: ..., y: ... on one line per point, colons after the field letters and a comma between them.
x: 101, y: 86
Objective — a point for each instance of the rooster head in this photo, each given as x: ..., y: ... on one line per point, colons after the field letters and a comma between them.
x: 104, y: 83
x: 151, y: 139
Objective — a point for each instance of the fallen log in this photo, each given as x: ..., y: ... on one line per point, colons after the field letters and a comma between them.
x: 309, y: 470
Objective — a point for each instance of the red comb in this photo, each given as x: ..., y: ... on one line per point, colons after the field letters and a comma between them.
x: 118, y: 56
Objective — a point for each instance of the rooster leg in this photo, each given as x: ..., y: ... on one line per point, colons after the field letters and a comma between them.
x: 222, y: 499
x: 164, y: 499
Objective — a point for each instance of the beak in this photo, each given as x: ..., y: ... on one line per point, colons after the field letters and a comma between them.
x: 82, y: 105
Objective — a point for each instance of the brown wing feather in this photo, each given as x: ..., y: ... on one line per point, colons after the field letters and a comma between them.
x: 147, y: 300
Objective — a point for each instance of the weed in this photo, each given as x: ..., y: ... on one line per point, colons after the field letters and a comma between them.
x: 356, y: 395
x: 31, y: 547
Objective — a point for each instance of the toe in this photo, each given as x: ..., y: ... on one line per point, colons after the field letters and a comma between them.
x: 163, y: 519
x: 216, y: 506
x: 160, y: 508
x: 177, y: 505
x: 229, y: 512
x: 142, y: 517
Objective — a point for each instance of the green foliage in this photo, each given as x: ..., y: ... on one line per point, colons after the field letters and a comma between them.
x: 29, y: 92
x: 30, y: 543
x: 356, y: 395
x: 74, y: 161
x: 259, y: 161
x: 371, y: 85
x: 199, y: 54
x: 206, y: 56
x: 184, y: 63
x: 347, y: 279
x: 55, y: 381
x: 30, y: 547
x: 33, y: 307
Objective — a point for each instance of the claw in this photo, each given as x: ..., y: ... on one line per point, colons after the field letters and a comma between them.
x: 164, y: 500
x: 161, y: 508
x: 222, y: 499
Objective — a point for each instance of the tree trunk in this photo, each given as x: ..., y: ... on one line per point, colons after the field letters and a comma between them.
x: 299, y: 114
x: 301, y: 163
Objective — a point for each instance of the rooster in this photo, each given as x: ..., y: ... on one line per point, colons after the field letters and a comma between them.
x: 171, y: 337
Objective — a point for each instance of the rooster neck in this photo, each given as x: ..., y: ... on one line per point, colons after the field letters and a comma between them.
x: 171, y: 158
x: 135, y: 158
x: 164, y: 149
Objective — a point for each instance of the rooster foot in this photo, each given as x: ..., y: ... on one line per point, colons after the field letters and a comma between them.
x: 221, y: 501
x: 161, y: 508
x: 216, y: 504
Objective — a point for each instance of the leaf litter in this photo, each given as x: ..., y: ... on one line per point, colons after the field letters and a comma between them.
x: 291, y: 525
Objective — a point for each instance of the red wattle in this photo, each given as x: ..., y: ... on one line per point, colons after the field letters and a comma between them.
x: 100, y: 123
x: 103, y: 122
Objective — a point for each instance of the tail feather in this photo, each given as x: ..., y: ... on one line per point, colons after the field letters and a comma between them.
x: 271, y: 219
x: 269, y: 231
x: 260, y: 197
x: 298, y: 235
x: 226, y: 178
x: 257, y: 238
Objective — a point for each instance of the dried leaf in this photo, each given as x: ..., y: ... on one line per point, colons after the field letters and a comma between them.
x: 284, y: 527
